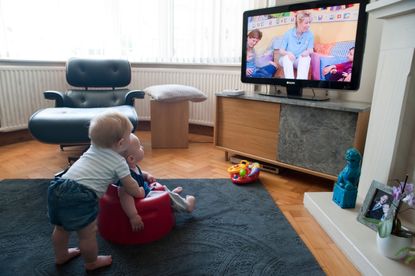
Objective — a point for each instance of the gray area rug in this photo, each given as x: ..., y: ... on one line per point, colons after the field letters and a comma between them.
x: 235, y: 230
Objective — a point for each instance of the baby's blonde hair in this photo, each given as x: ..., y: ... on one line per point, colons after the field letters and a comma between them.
x: 107, y: 129
x: 127, y: 152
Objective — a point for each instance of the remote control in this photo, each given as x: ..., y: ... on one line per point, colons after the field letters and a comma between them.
x: 233, y: 92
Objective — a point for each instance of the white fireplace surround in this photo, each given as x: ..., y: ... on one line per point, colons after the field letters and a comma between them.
x: 390, y: 142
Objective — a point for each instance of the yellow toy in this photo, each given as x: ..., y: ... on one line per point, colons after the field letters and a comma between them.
x: 236, y: 168
x: 244, y: 172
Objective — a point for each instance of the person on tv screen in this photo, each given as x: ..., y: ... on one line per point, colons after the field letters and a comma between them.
x: 296, y: 47
x: 341, y: 71
x: 252, y: 70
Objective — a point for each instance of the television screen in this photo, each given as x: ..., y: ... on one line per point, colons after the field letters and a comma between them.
x: 314, y: 44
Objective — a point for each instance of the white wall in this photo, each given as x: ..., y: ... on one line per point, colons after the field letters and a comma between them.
x: 370, y: 61
x: 391, y: 131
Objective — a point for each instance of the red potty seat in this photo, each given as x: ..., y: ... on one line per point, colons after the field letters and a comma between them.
x: 114, y: 225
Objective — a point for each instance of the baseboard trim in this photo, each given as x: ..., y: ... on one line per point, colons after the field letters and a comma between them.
x: 13, y: 137
x: 18, y: 136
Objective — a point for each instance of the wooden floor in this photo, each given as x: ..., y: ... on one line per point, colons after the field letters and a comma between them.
x: 32, y: 159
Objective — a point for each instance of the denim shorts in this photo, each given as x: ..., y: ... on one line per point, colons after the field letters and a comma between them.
x: 71, y: 205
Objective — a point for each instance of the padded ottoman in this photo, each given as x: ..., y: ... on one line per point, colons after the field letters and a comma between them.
x: 170, y: 114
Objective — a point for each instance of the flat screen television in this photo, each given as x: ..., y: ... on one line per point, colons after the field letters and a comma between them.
x: 316, y: 44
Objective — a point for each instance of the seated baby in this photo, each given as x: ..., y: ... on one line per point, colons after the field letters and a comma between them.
x: 133, y: 155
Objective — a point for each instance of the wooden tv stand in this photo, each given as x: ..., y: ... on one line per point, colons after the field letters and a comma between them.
x: 306, y: 136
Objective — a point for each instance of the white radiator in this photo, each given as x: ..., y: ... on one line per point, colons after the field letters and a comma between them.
x: 21, y: 92
x: 22, y: 87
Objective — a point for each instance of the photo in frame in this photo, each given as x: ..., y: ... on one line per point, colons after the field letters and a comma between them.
x: 377, y: 206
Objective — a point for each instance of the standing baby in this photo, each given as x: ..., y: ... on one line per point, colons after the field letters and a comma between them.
x: 73, y: 198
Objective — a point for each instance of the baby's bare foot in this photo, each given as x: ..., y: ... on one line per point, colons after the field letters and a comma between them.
x: 178, y: 190
x: 72, y: 253
x: 191, y: 201
x: 101, y: 261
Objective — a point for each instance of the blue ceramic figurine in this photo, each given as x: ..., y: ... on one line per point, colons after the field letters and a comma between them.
x: 345, y: 189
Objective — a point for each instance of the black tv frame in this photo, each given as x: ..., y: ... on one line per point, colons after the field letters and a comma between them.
x: 294, y: 87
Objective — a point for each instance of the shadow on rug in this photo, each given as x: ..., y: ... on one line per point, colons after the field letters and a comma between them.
x: 235, y: 230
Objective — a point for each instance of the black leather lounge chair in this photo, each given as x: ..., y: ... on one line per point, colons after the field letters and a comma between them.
x: 67, y: 123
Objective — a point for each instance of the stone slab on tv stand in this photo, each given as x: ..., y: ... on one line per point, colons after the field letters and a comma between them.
x: 315, y: 138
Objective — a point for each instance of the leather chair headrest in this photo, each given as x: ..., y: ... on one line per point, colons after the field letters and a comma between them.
x: 98, y: 73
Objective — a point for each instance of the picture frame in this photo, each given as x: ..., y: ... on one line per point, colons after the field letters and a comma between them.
x: 377, y: 206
